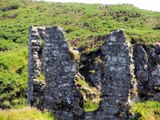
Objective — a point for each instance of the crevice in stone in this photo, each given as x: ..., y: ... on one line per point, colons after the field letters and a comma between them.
x: 90, y: 67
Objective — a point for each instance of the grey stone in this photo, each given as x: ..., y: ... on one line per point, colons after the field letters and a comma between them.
x: 64, y: 98
x: 116, y: 78
x: 34, y: 65
x: 147, y: 69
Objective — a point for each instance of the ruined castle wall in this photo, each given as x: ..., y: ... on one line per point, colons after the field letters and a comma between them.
x: 112, y: 76
x: 61, y: 95
x: 117, y: 77
x: 147, y: 70
x: 34, y: 63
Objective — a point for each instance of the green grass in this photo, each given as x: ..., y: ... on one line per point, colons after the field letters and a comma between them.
x: 26, y: 113
x: 13, y: 77
x: 41, y: 77
x: 78, y: 20
x: 147, y: 110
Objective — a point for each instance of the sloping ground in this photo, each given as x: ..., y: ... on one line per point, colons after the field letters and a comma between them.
x: 13, y: 77
x: 144, y: 111
x: 26, y: 113
x: 82, y: 23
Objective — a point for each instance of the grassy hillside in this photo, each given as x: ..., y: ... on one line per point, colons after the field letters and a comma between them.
x: 85, y: 27
x: 13, y: 77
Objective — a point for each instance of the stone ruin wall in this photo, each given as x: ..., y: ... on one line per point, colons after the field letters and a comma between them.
x: 34, y: 62
x: 61, y: 95
x: 115, y: 78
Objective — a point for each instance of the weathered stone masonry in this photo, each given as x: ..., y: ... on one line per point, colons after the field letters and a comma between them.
x: 115, y: 75
x: 34, y: 63
x: 61, y: 95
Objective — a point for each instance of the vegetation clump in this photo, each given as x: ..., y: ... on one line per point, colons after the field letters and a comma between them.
x: 25, y: 113
x: 91, y: 95
x: 74, y: 54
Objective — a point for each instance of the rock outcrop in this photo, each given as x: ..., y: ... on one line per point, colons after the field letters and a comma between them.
x: 147, y: 70
x: 13, y: 7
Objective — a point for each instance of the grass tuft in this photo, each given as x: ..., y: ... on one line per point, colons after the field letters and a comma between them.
x: 26, y: 113
x: 147, y: 110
